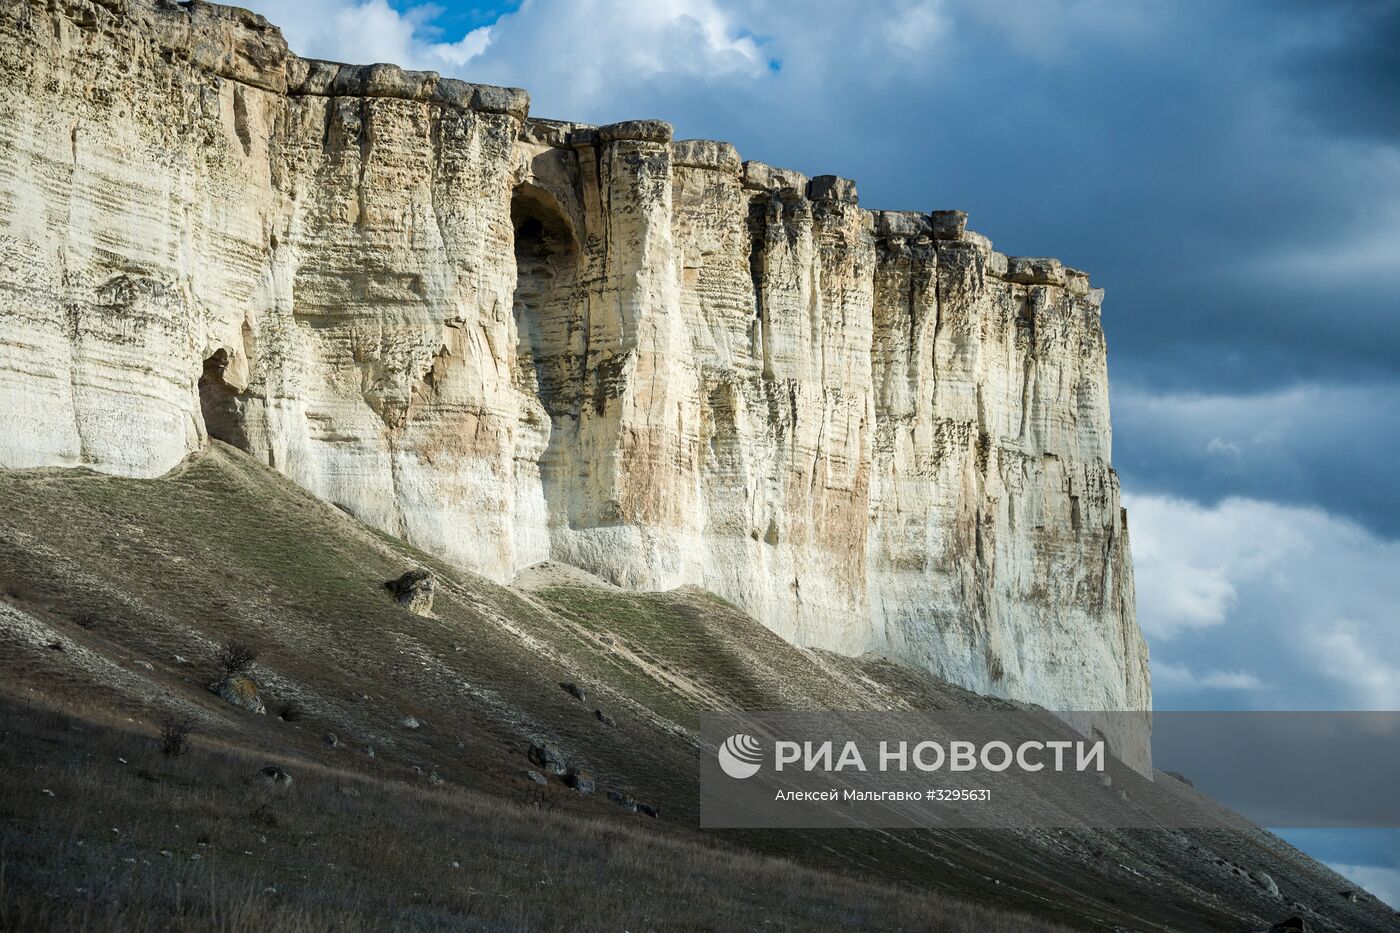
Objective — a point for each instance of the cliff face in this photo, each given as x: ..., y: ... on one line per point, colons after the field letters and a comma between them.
x: 508, y: 339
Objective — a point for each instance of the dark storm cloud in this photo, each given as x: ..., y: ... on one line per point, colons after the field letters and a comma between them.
x: 1174, y: 155
x: 1331, y: 446
x: 1348, y: 76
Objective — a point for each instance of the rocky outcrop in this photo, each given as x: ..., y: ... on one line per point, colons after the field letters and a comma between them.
x: 414, y: 591
x: 511, y: 340
x: 239, y: 690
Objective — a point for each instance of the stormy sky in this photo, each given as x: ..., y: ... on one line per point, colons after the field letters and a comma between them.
x: 1228, y: 171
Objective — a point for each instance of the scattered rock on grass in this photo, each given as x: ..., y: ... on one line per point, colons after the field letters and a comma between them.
x: 574, y: 690
x: 331, y: 740
x: 413, y: 591
x: 636, y: 806
x: 410, y: 722
x: 532, y: 775
x: 604, y: 718
x: 549, y: 758
x: 580, y: 781
x: 1266, y: 882
x: 274, y: 776
x: 240, y: 691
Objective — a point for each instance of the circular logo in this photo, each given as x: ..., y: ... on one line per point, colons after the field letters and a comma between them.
x: 740, y: 756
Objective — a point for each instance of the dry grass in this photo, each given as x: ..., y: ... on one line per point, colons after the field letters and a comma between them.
x: 101, y: 831
x: 175, y: 736
x: 141, y: 581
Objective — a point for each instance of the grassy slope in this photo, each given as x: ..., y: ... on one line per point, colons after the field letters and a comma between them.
x: 128, y: 573
x: 133, y: 840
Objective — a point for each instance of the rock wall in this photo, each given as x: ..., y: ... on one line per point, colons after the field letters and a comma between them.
x: 509, y: 339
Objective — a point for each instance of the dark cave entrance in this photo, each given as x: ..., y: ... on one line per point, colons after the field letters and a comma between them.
x: 220, y: 403
x: 550, y: 337
x: 758, y: 222
x: 551, y: 349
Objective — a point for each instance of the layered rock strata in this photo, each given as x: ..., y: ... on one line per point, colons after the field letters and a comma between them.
x: 508, y: 340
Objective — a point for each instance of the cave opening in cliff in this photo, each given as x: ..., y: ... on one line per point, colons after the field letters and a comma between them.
x: 550, y: 349
x: 758, y: 261
x: 545, y: 266
x: 220, y: 403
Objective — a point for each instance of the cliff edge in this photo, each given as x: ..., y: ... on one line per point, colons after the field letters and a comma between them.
x: 510, y: 340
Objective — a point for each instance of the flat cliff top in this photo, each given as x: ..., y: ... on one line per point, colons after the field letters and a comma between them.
x: 243, y: 46
x: 246, y: 47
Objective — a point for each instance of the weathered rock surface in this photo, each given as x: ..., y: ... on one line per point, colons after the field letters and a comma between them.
x: 413, y: 591
x: 511, y: 340
x: 274, y: 776
x: 580, y: 780
x: 239, y: 691
x: 549, y: 758
x: 1265, y: 881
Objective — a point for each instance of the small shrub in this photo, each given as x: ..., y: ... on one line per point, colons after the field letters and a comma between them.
x: 291, y: 711
x: 236, y: 657
x: 175, y: 737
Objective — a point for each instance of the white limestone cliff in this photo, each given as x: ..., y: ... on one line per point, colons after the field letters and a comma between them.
x: 509, y: 340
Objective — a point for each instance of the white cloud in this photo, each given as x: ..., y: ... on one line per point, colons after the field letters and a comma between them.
x: 1180, y: 677
x: 1381, y: 881
x: 356, y: 31
x: 1238, y: 425
x: 1231, y: 680
x: 1300, y: 596
x: 917, y: 27
x: 465, y: 49
x: 1190, y: 559
x: 1366, y: 243
x: 1046, y: 29
x: 595, y: 59
x: 579, y: 52
x: 1224, y: 448
x: 1330, y: 445
x: 1347, y: 653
